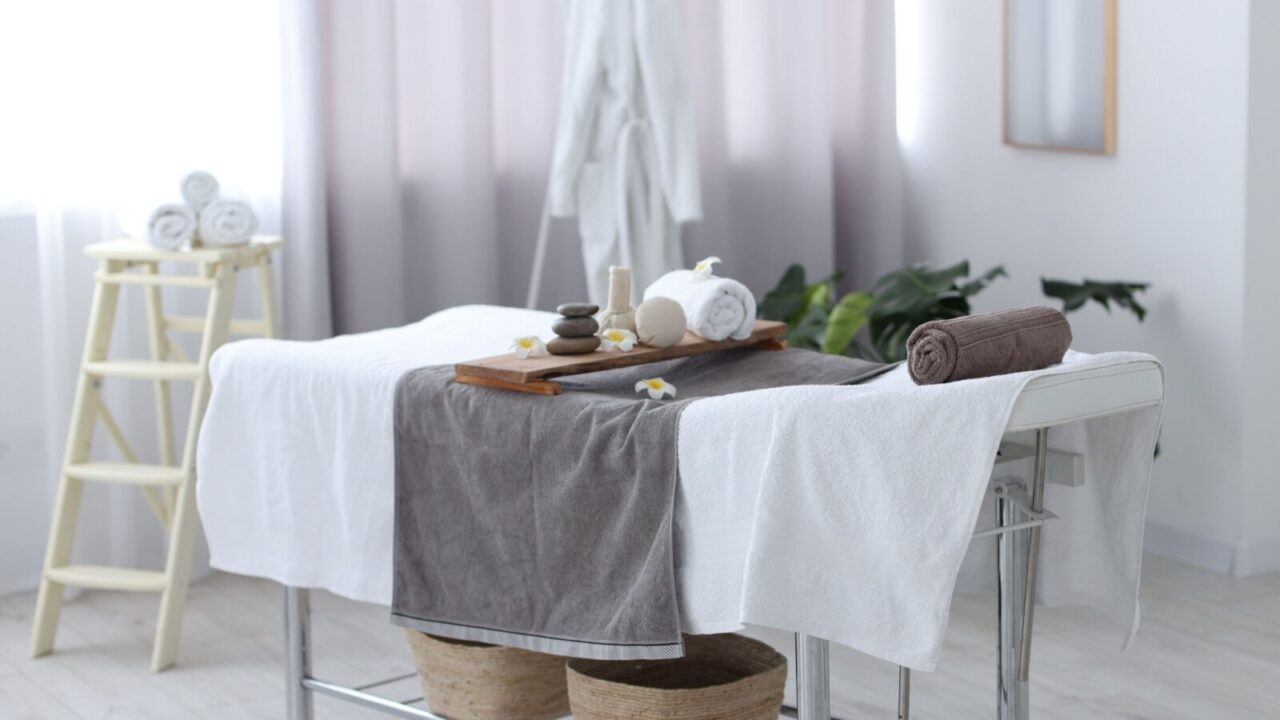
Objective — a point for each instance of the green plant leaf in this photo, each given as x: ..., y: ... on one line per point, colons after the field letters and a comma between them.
x: 938, y: 281
x: 891, y: 343
x: 834, y: 278
x: 1075, y: 295
x: 907, y: 298
x: 916, y: 279
x: 819, y: 294
x: 899, y: 303
x: 1072, y: 295
x: 882, y: 329
x: 977, y: 285
x: 787, y: 299
x: 847, y: 318
x: 913, y: 290
x: 807, y: 332
x: 813, y: 308
x: 951, y: 306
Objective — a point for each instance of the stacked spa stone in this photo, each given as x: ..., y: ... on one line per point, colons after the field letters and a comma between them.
x: 576, y: 330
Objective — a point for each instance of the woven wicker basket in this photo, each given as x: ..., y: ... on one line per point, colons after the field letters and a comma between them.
x: 721, y: 677
x: 474, y: 681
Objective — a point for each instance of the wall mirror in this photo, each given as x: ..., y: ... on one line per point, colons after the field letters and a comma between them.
x: 1060, y: 75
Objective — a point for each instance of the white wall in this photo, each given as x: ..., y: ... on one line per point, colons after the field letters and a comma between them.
x: 1169, y: 207
x: 1260, y: 544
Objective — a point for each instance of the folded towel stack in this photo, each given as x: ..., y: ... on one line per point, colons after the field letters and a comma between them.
x: 171, y: 226
x: 715, y: 308
x: 991, y: 344
x: 204, y: 218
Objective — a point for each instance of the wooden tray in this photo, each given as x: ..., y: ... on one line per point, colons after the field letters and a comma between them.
x: 532, y: 375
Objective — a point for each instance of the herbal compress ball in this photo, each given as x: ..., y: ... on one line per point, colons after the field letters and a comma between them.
x: 660, y: 322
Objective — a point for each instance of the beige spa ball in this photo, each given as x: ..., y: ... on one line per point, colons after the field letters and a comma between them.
x: 660, y: 322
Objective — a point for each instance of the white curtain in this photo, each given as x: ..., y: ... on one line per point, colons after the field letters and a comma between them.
x: 106, y: 106
x: 409, y: 175
x: 439, y: 119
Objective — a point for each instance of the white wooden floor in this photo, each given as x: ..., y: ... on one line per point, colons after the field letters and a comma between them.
x: 1209, y: 648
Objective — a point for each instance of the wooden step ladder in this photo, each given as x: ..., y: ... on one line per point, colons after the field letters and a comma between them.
x: 169, y: 486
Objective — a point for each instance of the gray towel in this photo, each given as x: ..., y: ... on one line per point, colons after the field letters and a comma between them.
x: 546, y: 522
x: 990, y: 344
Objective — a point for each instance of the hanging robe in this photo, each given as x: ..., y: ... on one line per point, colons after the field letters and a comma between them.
x: 626, y: 153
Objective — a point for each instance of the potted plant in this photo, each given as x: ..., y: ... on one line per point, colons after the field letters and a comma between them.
x: 904, y: 299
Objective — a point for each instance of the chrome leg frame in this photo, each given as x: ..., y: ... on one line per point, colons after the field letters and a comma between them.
x: 302, y: 686
x: 297, y: 653
x: 1033, y: 553
x: 1011, y: 693
x: 904, y: 693
x: 1018, y: 558
x: 813, y: 678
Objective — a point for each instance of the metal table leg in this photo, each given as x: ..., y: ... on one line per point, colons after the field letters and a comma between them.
x: 1011, y: 693
x: 1033, y: 554
x: 301, y: 686
x: 904, y: 693
x: 1015, y: 595
x: 813, y: 678
x: 297, y: 653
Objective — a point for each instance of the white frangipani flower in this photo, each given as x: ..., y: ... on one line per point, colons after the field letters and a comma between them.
x: 702, y: 270
x: 657, y: 388
x: 528, y: 346
x: 617, y: 339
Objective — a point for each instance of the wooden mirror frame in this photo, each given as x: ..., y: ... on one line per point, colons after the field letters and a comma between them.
x: 1109, y: 87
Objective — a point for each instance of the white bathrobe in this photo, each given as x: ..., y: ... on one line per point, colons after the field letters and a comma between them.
x: 626, y: 154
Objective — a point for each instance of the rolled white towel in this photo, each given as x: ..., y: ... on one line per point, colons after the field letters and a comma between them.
x: 171, y: 226
x: 227, y: 222
x: 199, y: 188
x: 714, y: 307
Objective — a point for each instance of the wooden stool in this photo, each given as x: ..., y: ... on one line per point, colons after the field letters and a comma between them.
x: 169, y: 487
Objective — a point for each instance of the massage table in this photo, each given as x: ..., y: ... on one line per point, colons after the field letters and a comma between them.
x: 1019, y: 512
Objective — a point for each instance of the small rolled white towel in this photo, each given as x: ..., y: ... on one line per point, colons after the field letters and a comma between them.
x: 171, y: 226
x: 199, y: 188
x: 227, y: 222
x: 715, y: 308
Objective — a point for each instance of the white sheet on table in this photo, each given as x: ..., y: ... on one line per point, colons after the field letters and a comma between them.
x: 296, y: 458
x: 1094, y: 551
x: 296, y: 484
x: 845, y: 512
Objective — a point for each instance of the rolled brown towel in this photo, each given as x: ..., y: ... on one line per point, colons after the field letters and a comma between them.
x: 991, y: 344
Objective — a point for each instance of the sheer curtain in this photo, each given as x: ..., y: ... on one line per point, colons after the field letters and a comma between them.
x: 106, y: 106
x: 409, y: 175
x: 438, y: 126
